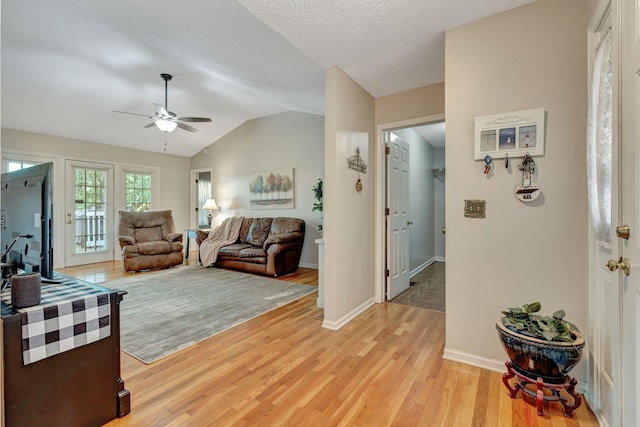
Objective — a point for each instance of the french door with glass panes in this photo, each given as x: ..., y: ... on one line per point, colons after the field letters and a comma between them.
x: 89, y: 214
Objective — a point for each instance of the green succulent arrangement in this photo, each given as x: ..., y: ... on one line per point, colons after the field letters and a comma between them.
x: 550, y: 328
x: 317, y: 193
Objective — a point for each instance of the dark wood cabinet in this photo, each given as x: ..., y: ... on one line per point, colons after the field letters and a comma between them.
x: 79, y: 387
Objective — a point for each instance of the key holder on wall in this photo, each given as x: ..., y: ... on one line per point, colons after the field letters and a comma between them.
x: 527, y: 191
x: 357, y: 163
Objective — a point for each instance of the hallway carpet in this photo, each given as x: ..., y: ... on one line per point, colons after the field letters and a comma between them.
x: 428, y: 290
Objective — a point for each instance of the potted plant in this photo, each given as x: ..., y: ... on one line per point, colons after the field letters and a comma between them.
x: 317, y: 193
x: 546, y: 347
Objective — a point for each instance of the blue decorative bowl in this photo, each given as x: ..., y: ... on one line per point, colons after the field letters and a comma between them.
x: 533, y: 357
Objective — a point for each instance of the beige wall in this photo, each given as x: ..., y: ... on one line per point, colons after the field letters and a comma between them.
x: 420, y: 102
x: 349, y: 220
x: 532, y: 56
x: 174, y: 173
x: 591, y: 6
x: 285, y: 140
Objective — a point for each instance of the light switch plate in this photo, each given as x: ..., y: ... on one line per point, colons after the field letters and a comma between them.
x: 475, y: 208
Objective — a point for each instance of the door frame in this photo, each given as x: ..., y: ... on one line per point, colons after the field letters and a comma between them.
x: 380, y: 219
x: 193, y: 173
x: 70, y: 257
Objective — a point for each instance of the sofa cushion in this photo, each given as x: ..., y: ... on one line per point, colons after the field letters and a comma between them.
x: 148, y: 234
x: 252, y: 252
x: 284, y: 225
x: 154, y: 248
x: 244, y: 229
x: 233, y: 250
x: 259, y: 231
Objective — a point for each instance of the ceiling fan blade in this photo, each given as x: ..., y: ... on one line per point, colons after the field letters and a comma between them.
x: 194, y: 119
x: 186, y: 127
x: 163, y: 111
x: 133, y: 114
x: 150, y: 125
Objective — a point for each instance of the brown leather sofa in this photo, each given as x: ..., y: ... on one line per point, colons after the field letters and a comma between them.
x: 148, y: 240
x: 269, y: 246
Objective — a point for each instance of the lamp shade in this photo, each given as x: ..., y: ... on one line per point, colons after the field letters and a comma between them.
x: 210, y: 205
x: 166, y: 125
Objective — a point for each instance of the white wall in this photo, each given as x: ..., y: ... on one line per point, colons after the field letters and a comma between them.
x: 173, y: 170
x: 349, y: 216
x: 421, y: 199
x: 285, y: 140
x: 532, y: 56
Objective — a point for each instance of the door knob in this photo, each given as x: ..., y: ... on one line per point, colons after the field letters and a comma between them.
x: 444, y: 230
x: 623, y: 231
x: 623, y: 264
x: 409, y: 222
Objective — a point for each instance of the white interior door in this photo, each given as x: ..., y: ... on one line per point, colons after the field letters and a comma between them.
x: 630, y: 155
x: 89, y: 216
x: 605, y: 290
x: 398, y: 226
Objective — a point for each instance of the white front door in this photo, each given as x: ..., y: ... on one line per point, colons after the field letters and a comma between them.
x: 630, y: 183
x: 605, y: 300
x: 89, y: 216
x: 398, y: 225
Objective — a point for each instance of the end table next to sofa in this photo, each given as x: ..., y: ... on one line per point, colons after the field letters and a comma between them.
x: 192, y: 233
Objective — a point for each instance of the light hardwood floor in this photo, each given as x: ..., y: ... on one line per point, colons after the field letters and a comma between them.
x: 383, y: 368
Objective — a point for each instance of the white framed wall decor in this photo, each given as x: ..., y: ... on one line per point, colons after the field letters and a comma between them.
x: 512, y: 134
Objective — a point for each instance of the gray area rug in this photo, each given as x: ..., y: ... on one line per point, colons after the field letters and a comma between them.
x: 169, y: 310
x: 428, y: 290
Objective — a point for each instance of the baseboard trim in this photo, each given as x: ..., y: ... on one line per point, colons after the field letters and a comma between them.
x: 474, y: 360
x: 491, y: 364
x: 440, y: 259
x: 308, y: 265
x: 421, y: 267
x: 334, y: 326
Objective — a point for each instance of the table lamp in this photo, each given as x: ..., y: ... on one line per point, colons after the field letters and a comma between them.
x: 211, y: 206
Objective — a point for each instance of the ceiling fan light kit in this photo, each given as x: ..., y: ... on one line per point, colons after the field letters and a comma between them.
x: 166, y: 125
x: 166, y: 120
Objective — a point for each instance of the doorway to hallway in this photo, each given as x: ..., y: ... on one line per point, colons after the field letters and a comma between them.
x: 414, y: 195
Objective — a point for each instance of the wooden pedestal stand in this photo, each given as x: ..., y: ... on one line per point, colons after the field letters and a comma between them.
x: 568, y: 384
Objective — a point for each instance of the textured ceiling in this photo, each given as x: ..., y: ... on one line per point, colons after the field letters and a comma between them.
x: 387, y: 46
x: 66, y: 64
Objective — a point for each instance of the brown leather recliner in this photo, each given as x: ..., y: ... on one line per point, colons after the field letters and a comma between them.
x: 148, y: 240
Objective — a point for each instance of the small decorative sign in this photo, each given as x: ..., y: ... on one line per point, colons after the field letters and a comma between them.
x: 356, y: 162
x: 527, y: 191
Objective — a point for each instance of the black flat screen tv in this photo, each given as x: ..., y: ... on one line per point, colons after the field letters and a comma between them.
x: 26, y: 219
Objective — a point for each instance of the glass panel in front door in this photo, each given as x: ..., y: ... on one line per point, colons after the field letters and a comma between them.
x: 90, y: 210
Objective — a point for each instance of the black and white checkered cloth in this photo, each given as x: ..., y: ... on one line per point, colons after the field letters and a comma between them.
x: 70, y: 314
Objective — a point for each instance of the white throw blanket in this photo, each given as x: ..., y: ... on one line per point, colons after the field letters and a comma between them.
x: 223, y: 235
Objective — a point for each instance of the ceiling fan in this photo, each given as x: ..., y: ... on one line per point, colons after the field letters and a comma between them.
x: 166, y: 120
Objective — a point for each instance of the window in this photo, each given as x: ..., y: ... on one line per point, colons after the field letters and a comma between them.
x: 138, y: 191
x: 90, y: 209
x: 16, y: 165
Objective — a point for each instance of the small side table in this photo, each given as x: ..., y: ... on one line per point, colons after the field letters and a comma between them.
x: 189, y: 234
x: 568, y: 384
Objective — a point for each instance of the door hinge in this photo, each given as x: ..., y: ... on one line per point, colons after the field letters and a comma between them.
x: 386, y: 211
x: 387, y: 272
x: 387, y: 150
x: 197, y: 210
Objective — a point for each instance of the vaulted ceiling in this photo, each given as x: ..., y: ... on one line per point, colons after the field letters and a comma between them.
x: 66, y: 64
